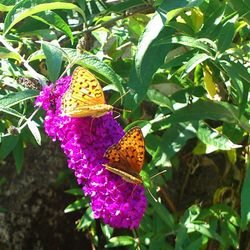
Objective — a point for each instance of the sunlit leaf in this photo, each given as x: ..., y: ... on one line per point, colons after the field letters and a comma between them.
x: 75, y: 191
x: 100, y: 69
x: 26, y: 8
x: 86, y: 220
x: 15, y: 98
x: 158, y: 98
x: 107, y: 230
x: 35, y: 131
x: 120, y: 241
x: 76, y: 205
x: 207, y: 110
x: 54, y: 20
x: 5, y: 53
x: 193, y: 62
x: 53, y: 60
x: 213, y: 138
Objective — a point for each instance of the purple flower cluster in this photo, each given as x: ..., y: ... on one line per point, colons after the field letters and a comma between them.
x: 85, y: 140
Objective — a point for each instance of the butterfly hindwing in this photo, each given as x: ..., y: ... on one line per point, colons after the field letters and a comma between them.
x: 126, y: 158
x: 84, y: 96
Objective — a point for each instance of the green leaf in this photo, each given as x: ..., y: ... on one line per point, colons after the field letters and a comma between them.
x: 242, y: 7
x: 15, y: 98
x: 163, y: 213
x: 212, y: 22
x: 5, y: 8
x: 86, y: 220
x: 152, y: 60
x: 36, y: 55
x: 100, y: 69
x: 206, y: 230
x: 76, y: 205
x: 226, y: 34
x: 195, y: 244
x: 26, y: 8
x: 194, y: 61
x: 177, y: 60
x: 5, y: 53
x: 11, y: 111
x: 35, y: 131
x: 203, y: 44
x: 107, y: 230
x: 159, y: 99
x: 244, y: 199
x: 53, y: 60
x: 230, y: 234
x: 75, y: 191
x: 181, y: 237
x: 213, y: 138
x: 54, y: 20
x: 150, y: 57
x: 120, y: 241
x: 201, y: 110
x: 172, y: 141
x: 7, y: 145
x: 18, y: 154
x: 151, y: 32
x: 123, y: 6
x: 191, y: 214
x: 172, y: 4
x: 239, y: 77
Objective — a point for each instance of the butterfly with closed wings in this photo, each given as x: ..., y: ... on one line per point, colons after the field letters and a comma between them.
x: 126, y: 158
x: 84, y: 96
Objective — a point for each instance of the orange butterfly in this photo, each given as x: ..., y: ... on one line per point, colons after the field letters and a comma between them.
x: 84, y: 96
x: 126, y: 158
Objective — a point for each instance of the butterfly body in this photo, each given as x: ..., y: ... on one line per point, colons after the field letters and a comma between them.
x: 84, y: 96
x: 126, y: 158
x: 132, y: 177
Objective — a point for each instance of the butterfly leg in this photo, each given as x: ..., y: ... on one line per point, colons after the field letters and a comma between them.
x: 121, y: 184
x: 133, y: 190
x: 91, y: 125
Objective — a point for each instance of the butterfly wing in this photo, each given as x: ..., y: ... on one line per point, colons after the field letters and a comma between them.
x: 126, y: 158
x: 84, y: 96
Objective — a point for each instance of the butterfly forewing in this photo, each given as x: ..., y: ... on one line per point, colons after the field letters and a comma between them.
x: 84, y: 86
x: 84, y: 96
x: 126, y: 158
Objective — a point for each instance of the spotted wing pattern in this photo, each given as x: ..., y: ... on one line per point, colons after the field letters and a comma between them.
x: 84, y: 96
x: 126, y: 158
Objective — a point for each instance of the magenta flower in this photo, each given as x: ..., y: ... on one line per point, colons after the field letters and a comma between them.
x: 117, y: 202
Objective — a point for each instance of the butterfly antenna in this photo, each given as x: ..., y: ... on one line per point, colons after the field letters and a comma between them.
x: 69, y: 66
x: 152, y: 177
x: 121, y: 97
x: 163, y: 171
x: 152, y: 195
x: 126, y: 110
x: 116, y: 117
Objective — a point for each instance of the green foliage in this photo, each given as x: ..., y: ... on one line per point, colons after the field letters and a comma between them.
x: 186, y: 66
